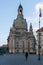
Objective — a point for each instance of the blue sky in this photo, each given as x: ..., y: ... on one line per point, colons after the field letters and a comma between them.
x: 8, y: 12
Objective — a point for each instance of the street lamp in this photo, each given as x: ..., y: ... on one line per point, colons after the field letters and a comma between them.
x: 40, y: 15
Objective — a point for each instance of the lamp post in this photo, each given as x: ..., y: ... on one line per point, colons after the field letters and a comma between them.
x: 39, y: 33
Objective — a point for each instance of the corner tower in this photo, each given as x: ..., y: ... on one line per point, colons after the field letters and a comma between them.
x: 31, y: 30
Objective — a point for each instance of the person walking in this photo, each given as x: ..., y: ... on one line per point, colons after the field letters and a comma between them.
x: 26, y: 55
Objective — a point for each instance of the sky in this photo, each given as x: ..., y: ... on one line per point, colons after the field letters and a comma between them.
x: 8, y: 12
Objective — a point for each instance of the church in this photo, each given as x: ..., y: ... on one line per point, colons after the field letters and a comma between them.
x: 19, y: 39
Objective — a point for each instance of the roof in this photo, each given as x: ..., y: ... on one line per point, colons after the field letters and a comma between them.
x: 20, y: 6
x: 41, y: 29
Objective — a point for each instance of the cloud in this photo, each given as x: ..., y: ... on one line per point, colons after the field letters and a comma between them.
x: 36, y: 9
x: 35, y: 29
x: 31, y: 19
x: 38, y: 6
x: 35, y: 18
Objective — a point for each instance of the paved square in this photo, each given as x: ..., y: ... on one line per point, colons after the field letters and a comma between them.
x: 19, y: 59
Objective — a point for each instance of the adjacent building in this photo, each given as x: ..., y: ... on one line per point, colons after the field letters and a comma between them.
x: 19, y: 39
x: 41, y: 40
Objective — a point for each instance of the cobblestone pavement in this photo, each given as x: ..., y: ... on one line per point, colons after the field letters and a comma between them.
x: 19, y: 59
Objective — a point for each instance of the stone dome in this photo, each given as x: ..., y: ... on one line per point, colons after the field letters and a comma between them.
x: 20, y: 24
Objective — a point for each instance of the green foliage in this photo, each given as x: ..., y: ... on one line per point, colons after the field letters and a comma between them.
x: 3, y: 50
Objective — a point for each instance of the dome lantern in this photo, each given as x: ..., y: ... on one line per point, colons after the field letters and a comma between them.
x: 20, y: 9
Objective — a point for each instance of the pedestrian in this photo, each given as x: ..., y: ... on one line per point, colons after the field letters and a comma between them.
x: 26, y: 55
